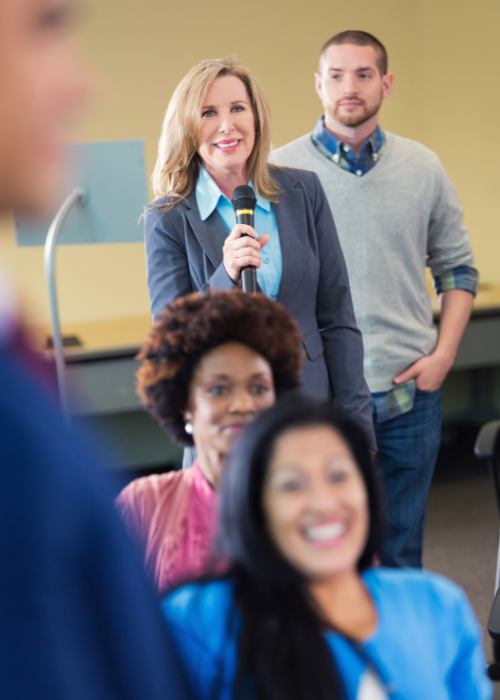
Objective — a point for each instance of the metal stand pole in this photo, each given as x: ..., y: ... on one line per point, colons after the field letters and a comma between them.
x: 76, y: 196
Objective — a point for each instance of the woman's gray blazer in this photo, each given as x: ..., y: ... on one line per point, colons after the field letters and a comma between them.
x: 184, y: 254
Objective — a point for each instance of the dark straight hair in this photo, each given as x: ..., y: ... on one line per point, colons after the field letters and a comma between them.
x: 282, y: 652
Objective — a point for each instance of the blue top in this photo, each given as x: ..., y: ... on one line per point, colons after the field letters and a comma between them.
x: 209, y: 197
x: 427, y: 643
x: 78, y: 618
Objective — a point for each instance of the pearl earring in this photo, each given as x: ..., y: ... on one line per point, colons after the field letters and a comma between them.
x: 188, y: 427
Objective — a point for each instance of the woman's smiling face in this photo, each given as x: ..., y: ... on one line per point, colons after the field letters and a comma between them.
x: 315, y: 502
x: 227, y: 131
x: 231, y: 384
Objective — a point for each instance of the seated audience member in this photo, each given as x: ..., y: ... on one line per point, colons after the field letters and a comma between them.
x: 212, y: 362
x: 302, y: 614
x: 78, y: 619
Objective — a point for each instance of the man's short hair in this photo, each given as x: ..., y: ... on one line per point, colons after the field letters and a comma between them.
x: 359, y: 39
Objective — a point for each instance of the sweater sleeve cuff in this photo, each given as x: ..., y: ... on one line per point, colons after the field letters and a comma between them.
x: 463, y: 277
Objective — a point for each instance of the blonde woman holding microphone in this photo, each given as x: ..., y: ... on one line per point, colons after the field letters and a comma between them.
x: 216, y: 137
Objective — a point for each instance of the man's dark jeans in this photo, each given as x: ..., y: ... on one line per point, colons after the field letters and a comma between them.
x: 407, y: 450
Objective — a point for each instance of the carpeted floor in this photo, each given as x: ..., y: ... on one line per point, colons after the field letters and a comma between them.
x: 461, y: 537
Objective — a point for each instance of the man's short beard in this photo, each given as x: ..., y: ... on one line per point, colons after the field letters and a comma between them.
x: 355, y: 119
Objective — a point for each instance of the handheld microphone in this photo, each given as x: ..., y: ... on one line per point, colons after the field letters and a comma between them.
x: 244, y: 202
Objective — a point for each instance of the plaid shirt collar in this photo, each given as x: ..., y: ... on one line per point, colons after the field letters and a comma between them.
x: 343, y: 155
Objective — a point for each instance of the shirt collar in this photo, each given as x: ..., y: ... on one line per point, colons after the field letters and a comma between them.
x: 333, y: 144
x: 208, y: 195
x: 8, y: 307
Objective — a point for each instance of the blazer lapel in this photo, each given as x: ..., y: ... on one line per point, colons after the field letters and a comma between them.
x: 292, y: 226
x: 210, y: 233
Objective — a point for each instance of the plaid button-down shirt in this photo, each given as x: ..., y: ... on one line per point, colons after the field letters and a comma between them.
x: 343, y: 155
x: 393, y: 403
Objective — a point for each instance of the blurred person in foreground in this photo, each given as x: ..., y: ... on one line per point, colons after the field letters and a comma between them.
x: 216, y: 136
x: 212, y: 362
x: 302, y: 614
x: 78, y: 620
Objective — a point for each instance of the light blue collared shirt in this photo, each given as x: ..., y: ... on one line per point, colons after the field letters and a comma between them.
x: 209, y: 197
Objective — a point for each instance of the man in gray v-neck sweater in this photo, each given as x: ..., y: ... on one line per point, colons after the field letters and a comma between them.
x: 396, y: 212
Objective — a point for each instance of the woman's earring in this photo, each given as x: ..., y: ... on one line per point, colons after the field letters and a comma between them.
x: 188, y: 427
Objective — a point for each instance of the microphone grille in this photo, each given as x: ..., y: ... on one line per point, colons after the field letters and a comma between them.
x: 244, y: 198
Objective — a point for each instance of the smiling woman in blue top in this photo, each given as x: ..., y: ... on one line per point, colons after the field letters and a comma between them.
x: 301, y: 614
x: 216, y: 137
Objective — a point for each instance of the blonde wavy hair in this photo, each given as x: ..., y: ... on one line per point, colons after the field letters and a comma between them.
x: 178, y: 164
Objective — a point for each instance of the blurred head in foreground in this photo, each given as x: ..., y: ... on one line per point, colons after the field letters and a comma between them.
x: 303, y: 612
x: 43, y: 87
x: 299, y: 508
x: 299, y: 480
x: 300, y: 519
x: 300, y: 516
x: 74, y: 604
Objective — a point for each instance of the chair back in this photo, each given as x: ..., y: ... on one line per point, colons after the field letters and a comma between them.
x: 488, y: 447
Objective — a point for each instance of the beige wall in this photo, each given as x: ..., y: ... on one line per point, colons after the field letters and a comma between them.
x: 445, y: 95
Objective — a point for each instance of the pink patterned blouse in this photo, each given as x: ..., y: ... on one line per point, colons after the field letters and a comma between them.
x: 174, y: 517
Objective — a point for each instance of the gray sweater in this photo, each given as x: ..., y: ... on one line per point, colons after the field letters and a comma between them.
x: 400, y: 217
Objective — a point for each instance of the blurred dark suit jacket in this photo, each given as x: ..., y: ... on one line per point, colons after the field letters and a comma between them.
x: 78, y: 620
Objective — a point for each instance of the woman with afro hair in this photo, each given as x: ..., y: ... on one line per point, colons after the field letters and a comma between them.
x: 211, y: 364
